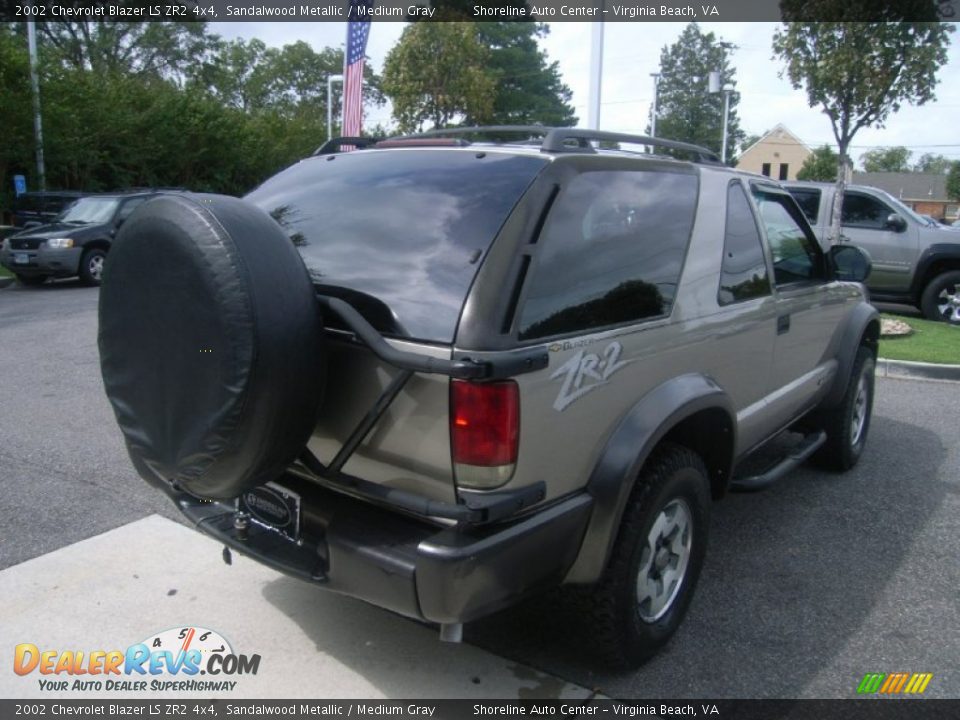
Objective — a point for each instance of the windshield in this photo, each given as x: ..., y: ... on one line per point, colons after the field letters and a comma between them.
x: 90, y: 210
x: 398, y: 234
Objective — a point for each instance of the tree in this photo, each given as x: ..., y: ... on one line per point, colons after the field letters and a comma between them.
x: 16, y: 151
x: 749, y: 141
x: 687, y: 111
x: 528, y: 89
x: 438, y: 72
x: 953, y: 181
x: 933, y: 163
x: 820, y: 165
x: 139, y: 48
x: 889, y: 159
x: 861, y: 72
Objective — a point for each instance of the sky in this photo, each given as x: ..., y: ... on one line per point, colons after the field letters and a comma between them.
x: 632, y: 52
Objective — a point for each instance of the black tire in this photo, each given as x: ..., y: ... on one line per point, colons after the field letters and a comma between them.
x: 674, y: 477
x: 210, y: 345
x: 31, y: 280
x: 91, y: 266
x: 941, y: 298
x: 845, y: 437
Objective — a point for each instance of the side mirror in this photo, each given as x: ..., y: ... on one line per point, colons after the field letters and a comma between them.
x: 896, y: 223
x: 850, y: 263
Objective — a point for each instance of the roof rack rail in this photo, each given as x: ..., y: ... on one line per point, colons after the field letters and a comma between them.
x: 556, y: 141
x: 333, y: 145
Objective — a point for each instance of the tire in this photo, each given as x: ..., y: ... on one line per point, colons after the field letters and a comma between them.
x: 31, y: 280
x: 91, y: 266
x: 941, y: 298
x: 628, y: 629
x: 210, y: 345
x: 848, y: 423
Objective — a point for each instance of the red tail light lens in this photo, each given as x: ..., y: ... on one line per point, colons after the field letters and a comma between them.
x: 485, y: 427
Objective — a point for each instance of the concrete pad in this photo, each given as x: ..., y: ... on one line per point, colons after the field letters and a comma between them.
x: 127, y: 585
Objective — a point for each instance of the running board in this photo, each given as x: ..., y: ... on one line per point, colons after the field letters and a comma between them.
x: 804, y: 449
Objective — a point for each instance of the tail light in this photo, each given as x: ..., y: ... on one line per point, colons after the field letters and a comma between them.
x: 484, y: 431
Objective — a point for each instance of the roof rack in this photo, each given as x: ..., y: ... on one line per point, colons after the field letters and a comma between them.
x: 333, y: 145
x: 555, y: 140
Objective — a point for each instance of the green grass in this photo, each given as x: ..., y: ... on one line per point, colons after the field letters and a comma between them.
x: 932, y: 342
x: 4, y: 272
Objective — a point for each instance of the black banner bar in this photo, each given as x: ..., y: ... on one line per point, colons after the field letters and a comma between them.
x: 481, y: 10
x: 181, y: 709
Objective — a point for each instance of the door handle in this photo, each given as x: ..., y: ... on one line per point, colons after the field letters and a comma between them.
x: 783, y: 324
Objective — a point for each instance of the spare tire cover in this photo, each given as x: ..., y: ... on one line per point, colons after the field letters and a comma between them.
x: 210, y: 344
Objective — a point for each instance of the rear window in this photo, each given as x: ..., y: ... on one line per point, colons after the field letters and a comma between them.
x: 399, y: 234
x: 809, y: 201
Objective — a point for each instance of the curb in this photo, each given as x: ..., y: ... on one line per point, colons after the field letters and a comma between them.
x: 5, y: 281
x: 915, y: 370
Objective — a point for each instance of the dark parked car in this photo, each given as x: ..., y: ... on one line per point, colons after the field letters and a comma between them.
x: 76, y: 243
x: 39, y: 208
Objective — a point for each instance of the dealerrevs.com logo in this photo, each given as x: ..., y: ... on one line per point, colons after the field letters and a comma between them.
x: 169, y: 661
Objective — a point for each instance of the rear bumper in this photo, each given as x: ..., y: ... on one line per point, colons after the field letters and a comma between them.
x: 441, y: 575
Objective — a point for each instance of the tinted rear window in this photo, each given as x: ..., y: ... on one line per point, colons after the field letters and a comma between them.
x: 400, y: 234
x: 809, y: 201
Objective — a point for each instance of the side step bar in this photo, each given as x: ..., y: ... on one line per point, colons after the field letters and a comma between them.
x: 804, y: 449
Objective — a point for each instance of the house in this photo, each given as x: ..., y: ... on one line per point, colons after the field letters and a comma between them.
x: 778, y: 154
x: 925, y: 193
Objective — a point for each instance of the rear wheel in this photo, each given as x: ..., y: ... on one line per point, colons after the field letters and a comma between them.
x: 91, y: 266
x: 656, y: 560
x: 941, y: 298
x: 847, y: 424
x: 31, y: 280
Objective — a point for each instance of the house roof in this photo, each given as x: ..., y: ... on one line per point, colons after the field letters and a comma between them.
x: 907, y: 185
x: 778, y: 128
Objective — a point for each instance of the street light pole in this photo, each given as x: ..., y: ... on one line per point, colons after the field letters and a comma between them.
x: 727, y: 89
x: 653, y: 111
x: 331, y: 79
x: 596, y: 76
x: 35, y: 83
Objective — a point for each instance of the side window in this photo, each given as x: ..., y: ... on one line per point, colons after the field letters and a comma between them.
x: 809, y: 202
x: 796, y: 255
x: 743, y: 272
x: 128, y: 207
x: 611, y: 252
x: 863, y: 211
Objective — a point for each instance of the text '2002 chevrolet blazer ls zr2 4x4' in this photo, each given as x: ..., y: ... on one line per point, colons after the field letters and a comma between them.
x: 441, y: 375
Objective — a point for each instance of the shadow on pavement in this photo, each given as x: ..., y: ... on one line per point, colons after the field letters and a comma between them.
x: 791, y: 576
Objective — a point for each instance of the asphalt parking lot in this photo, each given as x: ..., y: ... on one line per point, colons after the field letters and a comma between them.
x: 807, y: 586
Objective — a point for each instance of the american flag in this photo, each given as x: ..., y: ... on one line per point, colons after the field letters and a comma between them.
x: 357, y: 33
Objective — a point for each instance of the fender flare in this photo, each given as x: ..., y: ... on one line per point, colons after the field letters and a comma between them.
x: 949, y: 252
x: 849, y: 336
x: 635, y: 437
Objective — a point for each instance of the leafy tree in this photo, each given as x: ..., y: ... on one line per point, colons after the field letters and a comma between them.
x: 17, y: 148
x: 686, y: 110
x: 820, y: 165
x: 933, y: 163
x: 139, y: 48
x: 528, y: 89
x: 438, y: 72
x: 953, y: 181
x: 889, y: 159
x: 860, y: 72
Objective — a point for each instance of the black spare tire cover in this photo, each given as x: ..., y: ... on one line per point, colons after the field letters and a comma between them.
x: 210, y: 344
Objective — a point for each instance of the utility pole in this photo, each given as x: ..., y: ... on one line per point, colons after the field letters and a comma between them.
x: 653, y: 111
x: 727, y: 89
x: 35, y: 83
x: 596, y: 71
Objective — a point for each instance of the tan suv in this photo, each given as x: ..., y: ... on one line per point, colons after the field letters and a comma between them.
x: 444, y: 372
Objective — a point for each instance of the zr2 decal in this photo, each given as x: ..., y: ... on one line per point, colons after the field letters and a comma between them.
x: 585, y: 372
